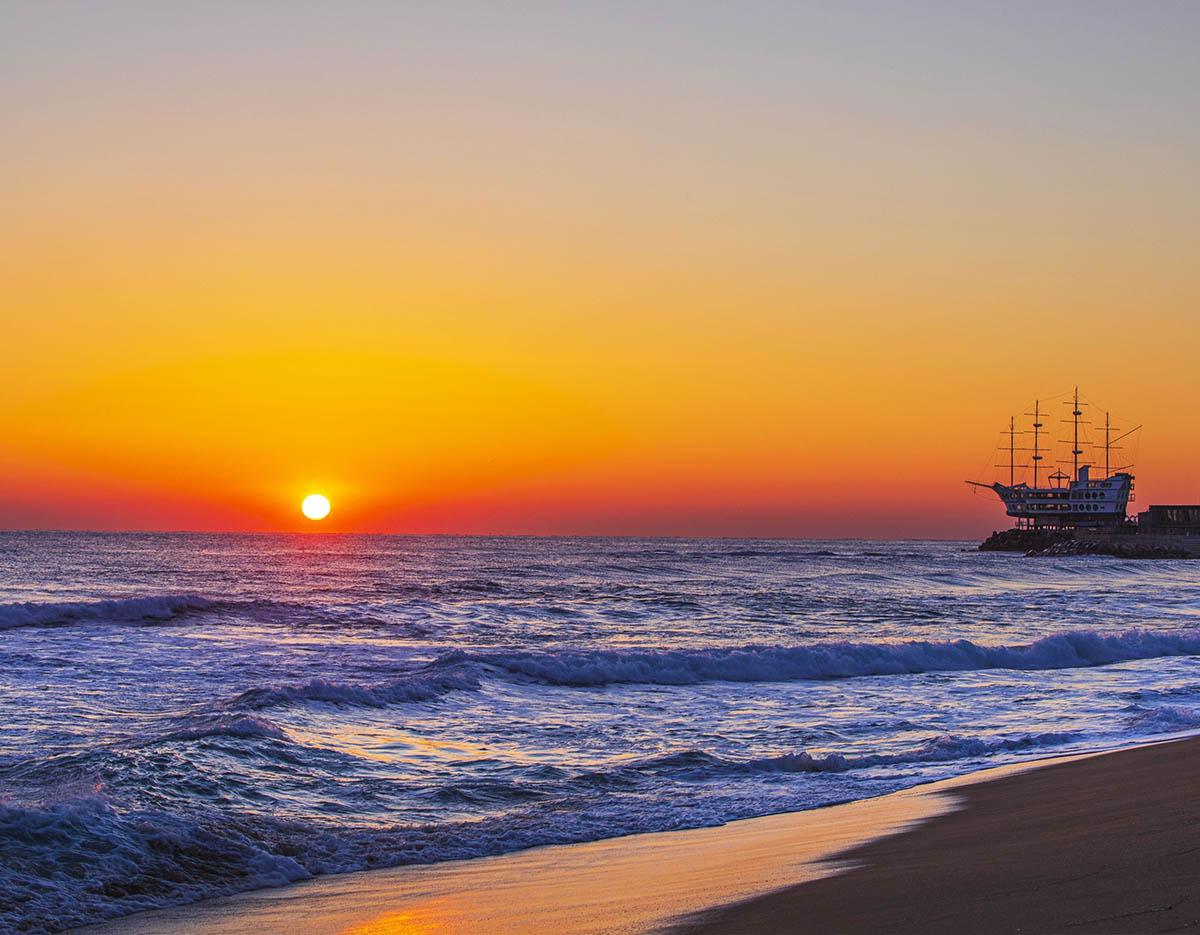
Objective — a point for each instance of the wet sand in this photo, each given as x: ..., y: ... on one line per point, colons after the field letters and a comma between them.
x: 1108, y: 843
x: 1105, y: 844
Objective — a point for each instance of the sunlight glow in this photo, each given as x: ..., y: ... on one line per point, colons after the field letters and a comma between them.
x: 315, y: 506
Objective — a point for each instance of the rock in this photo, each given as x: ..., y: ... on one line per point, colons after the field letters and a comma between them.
x: 1025, y: 540
x: 1131, y: 549
x: 1052, y: 543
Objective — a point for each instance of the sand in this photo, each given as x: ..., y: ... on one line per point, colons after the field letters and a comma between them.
x: 1109, y: 843
x: 1106, y: 844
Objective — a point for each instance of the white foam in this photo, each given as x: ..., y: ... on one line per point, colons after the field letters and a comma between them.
x: 834, y: 660
x: 73, y: 863
x: 128, y: 610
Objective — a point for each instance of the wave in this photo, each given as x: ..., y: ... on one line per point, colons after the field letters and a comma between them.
x: 240, y: 726
x: 946, y: 748
x: 1164, y: 719
x: 74, y: 862
x: 833, y: 660
x: 427, y: 684
x: 111, y: 863
x: 117, y: 610
x: 457, y: 670
x: 168, y: 607
x: 772, y: 553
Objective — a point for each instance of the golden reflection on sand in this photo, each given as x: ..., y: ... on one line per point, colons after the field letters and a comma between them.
x: 423, y: 920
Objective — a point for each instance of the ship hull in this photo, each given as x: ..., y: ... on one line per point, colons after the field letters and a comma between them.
x: 1084, y: 503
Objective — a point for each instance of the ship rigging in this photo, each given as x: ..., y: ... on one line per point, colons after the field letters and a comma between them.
x: 1069, y: 501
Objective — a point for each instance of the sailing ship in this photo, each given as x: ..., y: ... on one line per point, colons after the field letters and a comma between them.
x: 1067, y: 501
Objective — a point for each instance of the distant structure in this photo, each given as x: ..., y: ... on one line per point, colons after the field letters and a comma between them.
x: 1170, y: 521
x: 1082, y: 514
x: 1069, y: 501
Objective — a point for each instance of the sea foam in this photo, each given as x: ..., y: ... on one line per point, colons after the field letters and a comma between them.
x: 835, y: 660
x: 457, y: 670
x: 116, y: 610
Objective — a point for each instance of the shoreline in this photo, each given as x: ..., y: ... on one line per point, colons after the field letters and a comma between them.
x: 716, y: 879
x: 1106, y: 844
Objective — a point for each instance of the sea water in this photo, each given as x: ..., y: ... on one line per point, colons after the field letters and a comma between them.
x: 183, y: 716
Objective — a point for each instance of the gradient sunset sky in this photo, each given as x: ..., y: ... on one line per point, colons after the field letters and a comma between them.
x: 677, y: 268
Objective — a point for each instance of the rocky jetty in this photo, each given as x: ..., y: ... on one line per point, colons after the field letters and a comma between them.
x: 1129, y: 549
x: 1025, y: 540
x: 1051, y: 543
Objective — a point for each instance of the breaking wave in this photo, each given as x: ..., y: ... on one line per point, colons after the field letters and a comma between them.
x: 108, y: 863
x: 1165, y: 719
x: 836, y: 660
x: 941, y: 749
x: 457, y: 671
x: 118, y: 610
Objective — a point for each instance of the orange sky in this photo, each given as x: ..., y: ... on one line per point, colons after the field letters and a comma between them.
x: 708, y: 272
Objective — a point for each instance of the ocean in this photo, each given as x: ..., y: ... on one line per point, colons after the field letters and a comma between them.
x: 192, y: 715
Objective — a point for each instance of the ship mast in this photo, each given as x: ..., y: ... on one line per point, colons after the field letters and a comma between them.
x: 1107, y: 442
x: 1075, y: 452
x: 1037, y: 425
x: 1012, y: 435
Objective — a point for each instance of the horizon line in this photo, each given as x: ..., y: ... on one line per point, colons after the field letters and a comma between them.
x: 470, y: 535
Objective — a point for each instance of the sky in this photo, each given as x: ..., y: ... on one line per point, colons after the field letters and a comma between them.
x: 778, y: 269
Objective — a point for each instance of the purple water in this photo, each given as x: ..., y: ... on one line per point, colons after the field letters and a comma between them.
x: 191, y: 715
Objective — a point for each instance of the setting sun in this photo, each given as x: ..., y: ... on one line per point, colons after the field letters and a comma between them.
x: 315, y: 506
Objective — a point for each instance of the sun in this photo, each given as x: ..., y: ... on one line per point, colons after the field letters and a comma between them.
x: 315, y: 506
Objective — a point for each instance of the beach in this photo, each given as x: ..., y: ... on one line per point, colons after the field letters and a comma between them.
x: 1102, y: 844
x: 1105, y: 843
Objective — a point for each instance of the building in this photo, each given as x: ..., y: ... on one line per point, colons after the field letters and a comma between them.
x: 1170, y: 520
